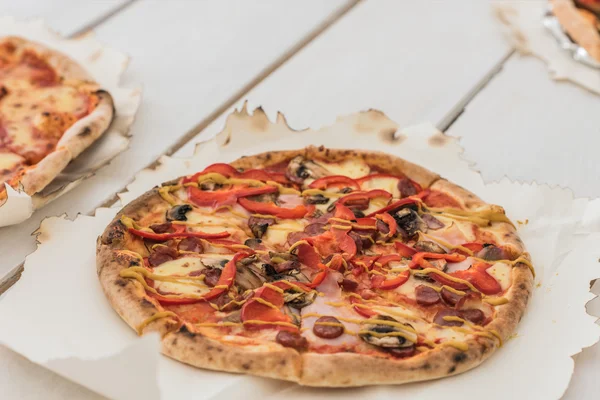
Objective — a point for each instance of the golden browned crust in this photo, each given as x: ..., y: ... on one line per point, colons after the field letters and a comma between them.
x: 79, y: 136
x: 269, y: 359
x: 579, y: 24
x: 382, y: 161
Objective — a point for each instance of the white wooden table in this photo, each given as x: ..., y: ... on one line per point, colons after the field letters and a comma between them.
x: 314, y: 60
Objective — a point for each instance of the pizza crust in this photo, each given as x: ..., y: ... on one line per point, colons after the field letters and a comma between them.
x: 272, y: 360
x: 579, y: 25
x: 74, y: 140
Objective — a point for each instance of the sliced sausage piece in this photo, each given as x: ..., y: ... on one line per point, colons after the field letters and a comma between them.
x: 426, y: 296
x: 161, y: 228
x: 439, y: 317
x: 296, y: 237
x: 212, y: 276
x: 429, y: 247
x: 324, y: 331
x: 315, y: 229
x: 382, y: 227
x: 474, y: 315
x: 161, y: 254
x: 348, y: 285
x: 402, y: 352
x: 449, y: 297
x: 191, y: 244
x: 259, y: 225
x: 432, y: 222
x: 406, y: 188
x: 291, y: 339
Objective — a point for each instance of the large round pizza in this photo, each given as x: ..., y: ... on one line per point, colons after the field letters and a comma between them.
x: 320, y: 266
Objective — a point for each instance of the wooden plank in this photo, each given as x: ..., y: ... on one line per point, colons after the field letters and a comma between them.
x: 190, y: 57
x: 528, y: 127
x: 65, y: 16
x: 416, y: 61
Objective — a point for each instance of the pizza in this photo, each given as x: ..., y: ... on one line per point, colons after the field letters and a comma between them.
x: 50, y: 111
x: 581, y: 21
x: 320, y: 266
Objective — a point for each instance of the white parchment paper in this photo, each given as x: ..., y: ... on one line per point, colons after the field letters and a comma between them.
x: 525, y: 30
x: 66, y: 324
x: 106, y: 66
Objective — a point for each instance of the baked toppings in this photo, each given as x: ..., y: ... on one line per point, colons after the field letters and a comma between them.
x: 42, y: 96
x: 319, y: 256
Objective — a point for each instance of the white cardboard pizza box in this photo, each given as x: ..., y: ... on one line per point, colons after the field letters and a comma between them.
x: 61, y: 319
x: 106, y: 66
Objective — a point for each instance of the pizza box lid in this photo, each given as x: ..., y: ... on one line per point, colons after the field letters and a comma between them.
x: 106, y: 66
x: 62, y: 320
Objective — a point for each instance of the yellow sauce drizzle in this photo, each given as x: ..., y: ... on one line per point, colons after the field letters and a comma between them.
x: 164, y: 192
x: 266, y: 303
x: 158, y: 315
x: 298, y: 243
x: 457, y: 345
x: 498, y: 301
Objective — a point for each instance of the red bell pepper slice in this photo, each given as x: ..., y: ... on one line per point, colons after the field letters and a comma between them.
x: 479, y: 278
x: 161, y: 237
x: 254, y: 310
x: 409, y: 200
x: 404, y: 250
x: 384, y: 260
x: 343, y: 212
x: 334, y: 180
x: 225, y: 197
x: 447, y: 282
x: 220, y: 168
x: 390, y: 222
x: 324, y: 244
x: 226, y: 279
x: 231, y: 245
x: 365, y: 312
x: 318, y: 279
x: 371, y: 223
x: 272, y: 209
x: 365, y: 261
x: 308, y: 256
x: 344, y: 242
x: 336, y: 263
x: 363, y: 198
x: 393, y: 283
x: 419, y: 259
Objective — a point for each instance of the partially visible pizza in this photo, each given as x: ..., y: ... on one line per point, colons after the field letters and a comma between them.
x: 581, y: 21
x: 319, y: 266
x: 50, y: 111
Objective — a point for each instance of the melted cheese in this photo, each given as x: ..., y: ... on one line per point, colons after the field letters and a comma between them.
x: 180, y: 267
x: 9, y: 164
x: 350, y: 168
x: 388, y: 184
x: 278, y: 233
x: 502, y: 272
